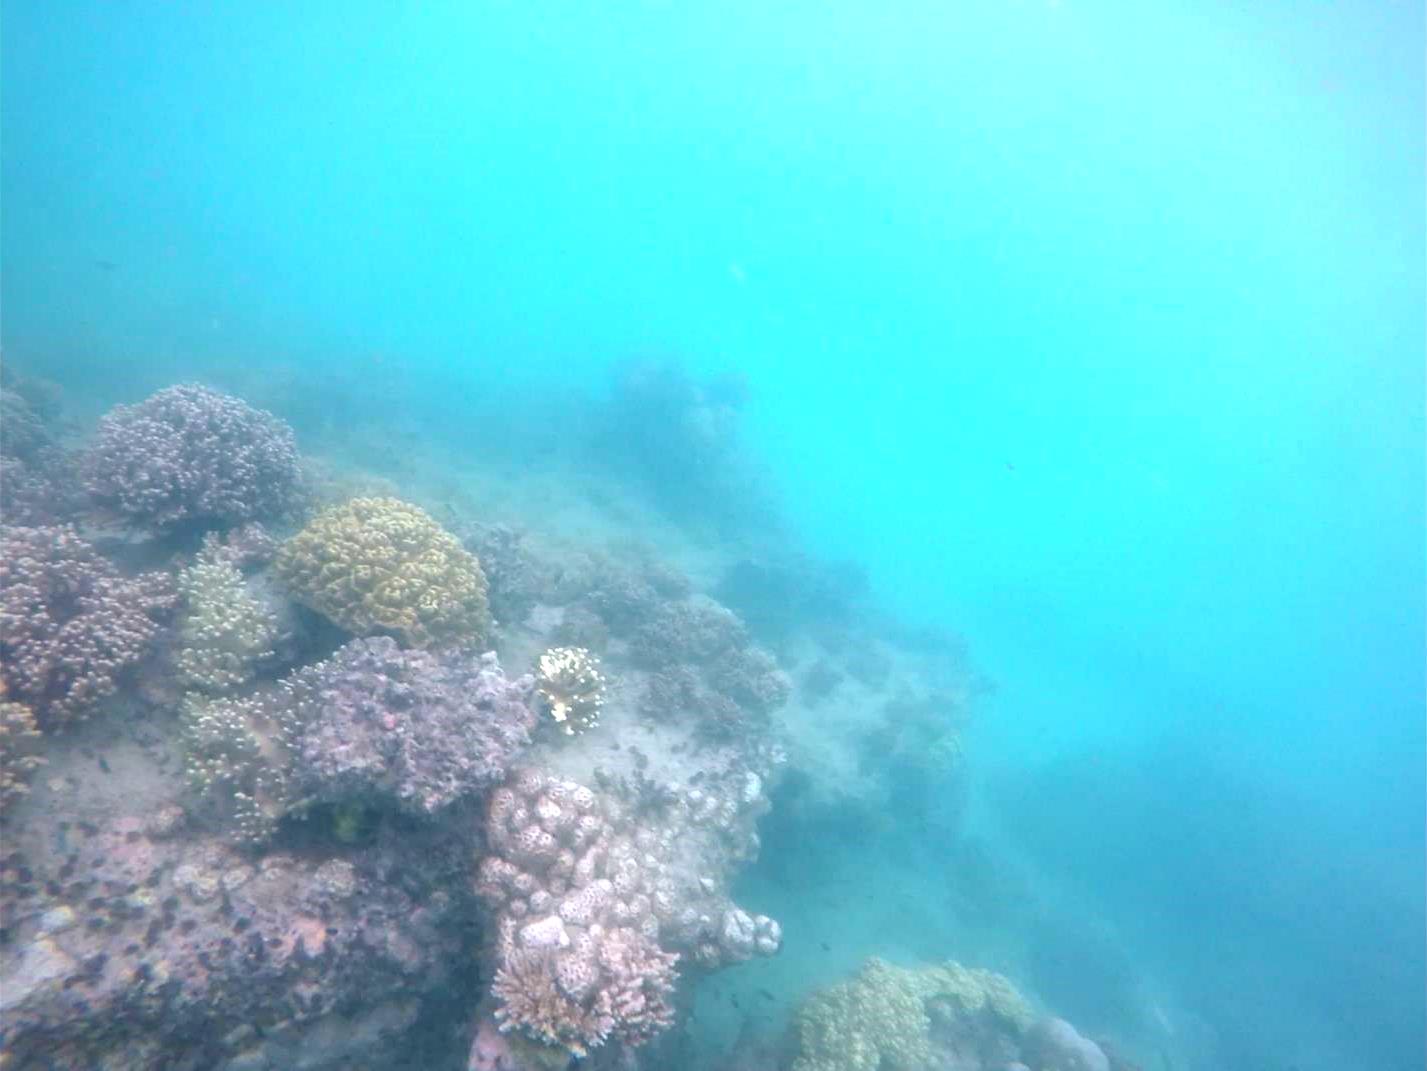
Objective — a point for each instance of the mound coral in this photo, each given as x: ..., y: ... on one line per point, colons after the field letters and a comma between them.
x: 884, y: 1017
x: 577, y: 952
x: 189, y: 453
x: 571, y: 687
x: 224, y: 631
x: 18, y: 734
x: 417, y: 728
x: 380, y: 565
x: 69, y: 623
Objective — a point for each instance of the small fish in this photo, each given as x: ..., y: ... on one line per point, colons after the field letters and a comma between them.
x: 733, y: 999
x: 104, y: 765
x: 826, y: 947
x: 1010, y: 467
x: 765, y: 994
x: 107, y: 265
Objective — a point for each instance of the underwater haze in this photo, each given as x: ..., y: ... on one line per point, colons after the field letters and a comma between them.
x: 1090, y: 335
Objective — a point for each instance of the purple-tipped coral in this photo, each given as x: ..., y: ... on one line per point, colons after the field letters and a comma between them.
x: 189, y: 453
x: 69, y: 623
x: 419, y: 728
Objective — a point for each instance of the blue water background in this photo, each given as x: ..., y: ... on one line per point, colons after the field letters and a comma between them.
x: 1093, y: 331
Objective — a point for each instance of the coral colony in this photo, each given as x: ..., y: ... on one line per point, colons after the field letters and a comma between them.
x: 271, y: 798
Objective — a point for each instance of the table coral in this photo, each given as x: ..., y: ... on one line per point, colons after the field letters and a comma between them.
x: 189, y: 453
x: 380, y: 565
x: 70, y: 625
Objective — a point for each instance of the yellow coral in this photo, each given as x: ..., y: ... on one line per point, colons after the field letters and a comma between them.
x: 880, y: 1020
x: 380, y: 565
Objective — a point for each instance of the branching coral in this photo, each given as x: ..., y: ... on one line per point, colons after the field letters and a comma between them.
x: 238, y: 757
x: 69, y: 623
x: 380, y: 565
x: 190, y: 453
x: 571, y: 688
x: 882, y: 1019
x: 18, y: 736
x: 224, y: 631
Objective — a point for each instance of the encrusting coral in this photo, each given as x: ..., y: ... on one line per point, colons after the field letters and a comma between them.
x: 380, y: 565
x: 69, y: 623
x: 571, y: 688
x: 413, y: 728
x: 883, y: 1019
x: 224, y: 632
x: 189, y: 453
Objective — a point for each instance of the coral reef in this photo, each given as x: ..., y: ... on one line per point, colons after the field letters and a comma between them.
x: 518, y: 578
x: 571, y: 688
x: 136, y: 942
x: 889, y: 1017
x: 22, y: 432
x: 417, y: 728
x: 380, y: 565
x: 578, y: 960
x: 750, y: 675
x: 69, y: 623
x: 693, y: 630
x: 223, y: 632
x: 591, y: 909
x: 18, y: 737
x: 189, y: 453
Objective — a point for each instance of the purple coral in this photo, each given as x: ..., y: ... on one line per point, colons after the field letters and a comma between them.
x: 421, y: 728
x: 190, y: 453
x: 69, y: 623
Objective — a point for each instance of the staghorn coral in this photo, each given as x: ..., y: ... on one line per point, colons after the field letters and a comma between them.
x: 18, y: 735
x: 571, y: 688
x: 224, y: 632
x: 883, y: 1019
x: 189, y: 453
x: 418, y: 728
x: 238, y: 758
x: 380, y: 565
x: 69, y: 623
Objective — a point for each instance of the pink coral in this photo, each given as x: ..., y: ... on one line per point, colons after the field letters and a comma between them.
x: 190, y: 453
x: 69, y: 623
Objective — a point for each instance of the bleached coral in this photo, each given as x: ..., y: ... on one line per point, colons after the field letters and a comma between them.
x: 224, y: 631
x: 18, y: 737
x: 571, y: 687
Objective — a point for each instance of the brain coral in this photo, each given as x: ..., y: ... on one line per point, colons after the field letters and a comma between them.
x: 190, y: 453
x: 380, y: 565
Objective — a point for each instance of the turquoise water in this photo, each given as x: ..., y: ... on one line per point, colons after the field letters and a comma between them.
x: 1092, y: 332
